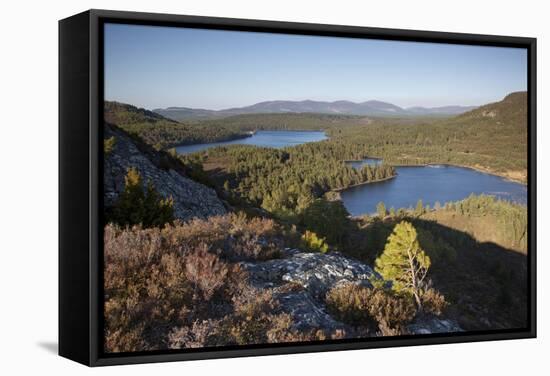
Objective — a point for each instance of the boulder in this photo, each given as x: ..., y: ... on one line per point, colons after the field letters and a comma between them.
x: 315, y: 272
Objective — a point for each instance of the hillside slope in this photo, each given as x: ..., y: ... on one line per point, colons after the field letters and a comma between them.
x: 512, y: 110
x: 161, y: 132
x: 191, y: 199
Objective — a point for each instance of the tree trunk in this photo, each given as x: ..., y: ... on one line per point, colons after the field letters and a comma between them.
x: 414, y: 281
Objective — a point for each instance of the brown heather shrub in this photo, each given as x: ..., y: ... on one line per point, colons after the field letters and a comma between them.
x: 282, y: 332
x: 145, y: 289
x: 392, y: 312
x: 349, y: 303
x: 205, y: 271
x: 362, y: 307
x: 257, y: 319
x: 433, y: 302
x: 193, y: 336
x: 251, y: 320
x: 157, y: 279
x: 232, y: 236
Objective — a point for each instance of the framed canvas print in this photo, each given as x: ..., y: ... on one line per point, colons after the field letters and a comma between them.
x: 238, y: 187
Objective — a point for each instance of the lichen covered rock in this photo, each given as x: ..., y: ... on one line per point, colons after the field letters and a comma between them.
x: 191, y: 199
x: 300, y: 281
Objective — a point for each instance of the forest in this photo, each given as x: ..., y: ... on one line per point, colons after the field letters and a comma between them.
x: 284, y: 182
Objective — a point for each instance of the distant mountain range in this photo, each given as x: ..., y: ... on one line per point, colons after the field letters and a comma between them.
x: 368, y: 108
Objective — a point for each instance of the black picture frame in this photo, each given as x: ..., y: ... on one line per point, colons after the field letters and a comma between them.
x: 80, y: 184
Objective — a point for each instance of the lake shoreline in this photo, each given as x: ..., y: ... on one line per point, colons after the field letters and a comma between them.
x: 481, y: 169
x: 478, y: 169
x: 361, y: 160
x: 243, y: 136
x: 202, y: 146
x: 448, y: 183
x: 338, y: 190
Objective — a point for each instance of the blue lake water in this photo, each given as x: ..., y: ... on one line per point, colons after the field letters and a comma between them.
x: 369, y: 161
x: 272, y: 139
x: 430, y: 184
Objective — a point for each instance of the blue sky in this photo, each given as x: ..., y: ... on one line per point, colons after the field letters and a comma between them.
x: 152, y: 67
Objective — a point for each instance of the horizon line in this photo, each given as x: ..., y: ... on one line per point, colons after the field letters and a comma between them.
x: 311, y: 100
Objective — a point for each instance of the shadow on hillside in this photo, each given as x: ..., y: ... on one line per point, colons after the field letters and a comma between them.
x: 485, y: 283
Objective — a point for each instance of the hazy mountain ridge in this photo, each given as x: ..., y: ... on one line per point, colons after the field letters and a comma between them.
x: 370, y: 108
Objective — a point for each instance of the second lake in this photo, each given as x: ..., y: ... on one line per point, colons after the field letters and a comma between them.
x: 271, y: 139
x: 439, y: 183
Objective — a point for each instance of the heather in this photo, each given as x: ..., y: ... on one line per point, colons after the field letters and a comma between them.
x: 180, y: 286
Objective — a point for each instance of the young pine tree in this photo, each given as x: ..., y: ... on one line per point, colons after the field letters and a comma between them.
x: 381, y: 210
x: 419, y: 208
x: 109, y: 145
x: 313, y: 242
x: 404, y: 262
x: 138, y: 206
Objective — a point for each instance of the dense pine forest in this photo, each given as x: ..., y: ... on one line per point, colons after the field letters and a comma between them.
x: 284, y: 182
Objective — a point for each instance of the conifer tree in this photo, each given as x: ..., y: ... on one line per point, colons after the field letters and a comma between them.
x: 404, y: 262
x: 419, y: 208
x: 327, y: 219
x: 138, y: 206
x: 313, y: 242
x: 381, y: 210
x: 109, y: 145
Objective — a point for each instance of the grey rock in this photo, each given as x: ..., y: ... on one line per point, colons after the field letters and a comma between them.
x: 300, y: 281
x: 311, y: 275
x: 432, y: 324
x: 315, y: 272
x: 308, y: 313
x: 191, y: 199
x: 490, y: 114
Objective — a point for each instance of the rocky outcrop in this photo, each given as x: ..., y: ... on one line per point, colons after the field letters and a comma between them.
x: 432, y: 324
x: 191, y: 199
x: 300, y: 281
x: 315, y: 272
x: 490, y: 114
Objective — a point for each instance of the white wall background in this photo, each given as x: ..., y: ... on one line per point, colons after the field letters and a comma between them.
x: 28, y: 210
